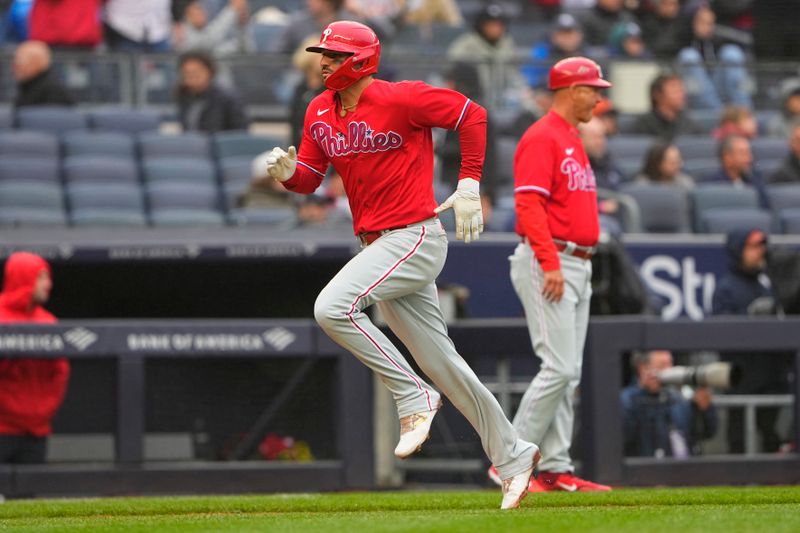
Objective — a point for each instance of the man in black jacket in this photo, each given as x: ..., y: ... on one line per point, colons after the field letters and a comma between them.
x: 747, y: 290
x: 789, y: 172
x: 203, y: 105
x: 668, y: 117
x: 36, y: 84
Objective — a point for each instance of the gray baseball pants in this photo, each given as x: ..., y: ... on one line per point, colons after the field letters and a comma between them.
x: 397, y: 272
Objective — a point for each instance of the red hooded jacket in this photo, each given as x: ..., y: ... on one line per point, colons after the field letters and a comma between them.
x: 31, y: 390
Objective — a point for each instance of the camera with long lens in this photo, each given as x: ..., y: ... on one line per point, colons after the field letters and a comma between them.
x: 717, y: 375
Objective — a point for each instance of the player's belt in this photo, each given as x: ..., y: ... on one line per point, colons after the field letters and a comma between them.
x: 570, y: 248
x: 368, y: 237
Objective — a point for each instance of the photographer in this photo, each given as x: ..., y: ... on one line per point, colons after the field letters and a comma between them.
x: 657, y: 420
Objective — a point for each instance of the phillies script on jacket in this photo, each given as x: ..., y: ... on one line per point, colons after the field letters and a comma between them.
x: 383, y: 149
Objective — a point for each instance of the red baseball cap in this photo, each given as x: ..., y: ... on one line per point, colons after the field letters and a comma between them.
x: 576, y: 71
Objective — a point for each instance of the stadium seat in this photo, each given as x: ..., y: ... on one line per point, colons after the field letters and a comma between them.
x: 231, y: 191
x: 125, y: 120
x: 41, y: 195
x: 702, y: 147
x: 725, y: 219
x: 107, y: 217
x: 34, y: 143
x: 6, y: 119
x: 630, y: 146
x: 194, y: 145
x: 701, y: 169
x: 241, y: 143
x: 663, y: 208
x: 186, y: 218
x: 706, y: 119
x: 176, y: 169
x: 106, y: 143
x: 270, y: 216
x: 783, y: 196
x: 169, y: 195
x: 31, y: 216
x: 267, y: 37
x: 100, y: 169
x: 236, y: 169
x: 29, y: 168
x: 765, y: 148
x: 790, y: 221
x: 506, y: 147
x: 51, y: 119
x: 720, y: 195
x: 125, y: 196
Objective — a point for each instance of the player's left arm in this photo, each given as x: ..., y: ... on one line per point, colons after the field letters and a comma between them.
x: 448, y: 109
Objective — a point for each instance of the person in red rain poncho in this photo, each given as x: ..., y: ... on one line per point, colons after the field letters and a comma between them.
x: 31, y: 389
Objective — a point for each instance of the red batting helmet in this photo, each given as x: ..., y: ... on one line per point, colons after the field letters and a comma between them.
x: 576, y: 71
x: 356, y: 39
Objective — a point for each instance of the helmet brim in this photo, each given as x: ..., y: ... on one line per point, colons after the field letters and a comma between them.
x: 330, y: 47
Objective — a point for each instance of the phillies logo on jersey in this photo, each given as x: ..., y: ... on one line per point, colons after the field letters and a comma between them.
x: 360, y: 138
x: 580, y: 178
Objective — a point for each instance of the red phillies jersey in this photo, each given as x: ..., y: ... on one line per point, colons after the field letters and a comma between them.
x: 384, y: 150
x: 550, y: 161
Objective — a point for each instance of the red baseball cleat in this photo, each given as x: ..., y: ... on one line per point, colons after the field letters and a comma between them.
x: 564, y: 481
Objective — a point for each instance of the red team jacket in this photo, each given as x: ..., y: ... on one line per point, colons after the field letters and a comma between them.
x: 384, y: 149
x: 554, y: 188
x: 31, y: 390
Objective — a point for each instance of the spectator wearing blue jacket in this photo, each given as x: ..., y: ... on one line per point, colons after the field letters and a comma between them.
x: 746, y: 289
x: 565, y: 40
x: 657, y: 420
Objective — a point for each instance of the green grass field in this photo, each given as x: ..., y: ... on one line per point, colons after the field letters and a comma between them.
x: 729, y: 510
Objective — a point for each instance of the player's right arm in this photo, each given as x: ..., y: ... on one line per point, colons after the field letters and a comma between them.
x: 301, y: 173
x: 533, y: 178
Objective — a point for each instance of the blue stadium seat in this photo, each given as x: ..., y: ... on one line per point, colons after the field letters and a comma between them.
x: 711, y: 196
x: 241, y: 143
x: 124, y: 196
x: 125, y: 120
x: 267, y: 37
x: 175, y: 169
x: 29, y: 143
x: 706, y: 119
x: 664, y: 208
x: 784, y: 196
x: 790, y: 221
x: 169, y: 195
x: 765, y: 148
x: 108, y: 217
x: 697, y: 147
x: 105, y: 143
x: 29, y: 168
x: 51, y: 119
x: 236, y: 169
x: 13, y: 217
x: 187, y: 218
x: 723, y: 220
x: 194, y: 145
x: 6, y: 119
x: 38, y: 195
x: 629, y: 146
x: 231, y: 191
x: 100, y: 169
x: 270, y: 216
x: 701, y: 169
x: 506, y: 147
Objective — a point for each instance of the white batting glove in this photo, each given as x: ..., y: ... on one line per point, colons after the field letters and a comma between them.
x: 276, y: 164
x: 466, y: 204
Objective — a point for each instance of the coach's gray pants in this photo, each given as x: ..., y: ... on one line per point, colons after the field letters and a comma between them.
x: 397, y: 272
x: 558, y: 333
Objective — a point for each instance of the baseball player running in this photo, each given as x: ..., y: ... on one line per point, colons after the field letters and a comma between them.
x: 377, y: 135
x: 556, y: 206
